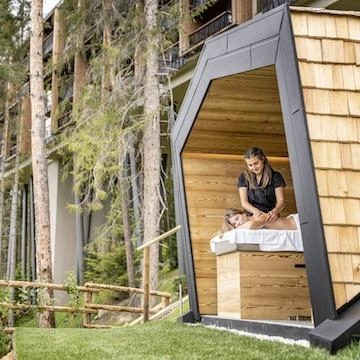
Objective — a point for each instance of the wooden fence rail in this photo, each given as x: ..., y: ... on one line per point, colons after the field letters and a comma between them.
x: 89, y: 289
x: 88, y: 308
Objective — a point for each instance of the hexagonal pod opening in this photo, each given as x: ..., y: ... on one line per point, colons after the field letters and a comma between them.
x: 274, y: 82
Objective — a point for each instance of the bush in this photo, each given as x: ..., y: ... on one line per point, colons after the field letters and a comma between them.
x: 5, y: 343
x: 107, y: 267
x: 180, y: 280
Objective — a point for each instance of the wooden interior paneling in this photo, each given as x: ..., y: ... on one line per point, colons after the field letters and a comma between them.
x: 328, y: 51
x: 211, y: 187
x: 25, y: 125
x: 240, y: 111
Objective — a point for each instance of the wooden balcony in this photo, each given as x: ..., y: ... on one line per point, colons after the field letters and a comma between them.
x: 12, y: 151
x: 171, y: 58
x: 48, y: 45
x: 48, y: 131
x: 196, y: 3
x: 64, y: 120
x: 203, y: 20
x: 67, y: 89
x: 214, y: 26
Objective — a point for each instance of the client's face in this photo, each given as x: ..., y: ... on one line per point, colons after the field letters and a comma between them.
x: 237, y: 220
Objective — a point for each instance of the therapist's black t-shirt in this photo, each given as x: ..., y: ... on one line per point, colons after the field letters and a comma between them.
x: 263, y: 199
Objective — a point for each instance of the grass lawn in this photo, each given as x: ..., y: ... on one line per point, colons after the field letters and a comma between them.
x: 159, y: 340
x: 163, y: 339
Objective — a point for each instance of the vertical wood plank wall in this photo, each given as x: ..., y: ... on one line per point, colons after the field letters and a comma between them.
x: 58, y: 49
x: 242, y: 10
x: 211, y: 187
x: 328, y: 51
x: 25, y: 125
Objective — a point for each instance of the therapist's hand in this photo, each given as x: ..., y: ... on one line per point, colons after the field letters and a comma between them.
x: 257, y: 214
x: 272, y: 216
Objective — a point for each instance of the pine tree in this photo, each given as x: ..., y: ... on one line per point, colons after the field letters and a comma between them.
x: 151, y: 139
x: 39, y: 162
x: 115, y: 139
x: 13, y: 49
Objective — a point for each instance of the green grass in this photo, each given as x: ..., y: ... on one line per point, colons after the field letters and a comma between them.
x: 61, y: 320
x: 159, y: 340
x: 165, y: 339
x: 168, y: 281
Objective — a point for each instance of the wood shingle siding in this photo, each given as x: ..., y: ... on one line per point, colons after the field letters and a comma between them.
x: 328, y: 52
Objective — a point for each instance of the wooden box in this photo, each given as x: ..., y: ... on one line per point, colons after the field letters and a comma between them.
x: 262, y: 285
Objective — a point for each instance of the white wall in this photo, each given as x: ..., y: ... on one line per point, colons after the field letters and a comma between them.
x: 62, y: 227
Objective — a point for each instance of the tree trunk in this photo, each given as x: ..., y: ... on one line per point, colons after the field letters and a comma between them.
x: 4, y: 151
x: 151, y: 140
x: 139, y: 74
x: 79, y: 241
x: 32, y: 231
x: 80, y: 65
x: 139, y: 57
x: 39, y: 162
x: 23, y: 233
x: 107, y: 63
x: 127, y: 233
x: 12, y: 231
x: 135, y: 192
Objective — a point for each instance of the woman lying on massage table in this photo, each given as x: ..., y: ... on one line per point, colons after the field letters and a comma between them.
x: 235, y: 219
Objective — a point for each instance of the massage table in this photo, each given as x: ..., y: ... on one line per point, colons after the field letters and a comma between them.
x: 261, y: 275
x: 258, y: 240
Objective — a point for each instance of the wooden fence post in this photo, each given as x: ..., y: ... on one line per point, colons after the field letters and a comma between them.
x: 146, y: 268
x: 87, y: 315
x: 89, y: 288
x: 146, y: 298
x: 165, y: 301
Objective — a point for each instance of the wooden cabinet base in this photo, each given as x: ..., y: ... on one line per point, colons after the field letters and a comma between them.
x: 262, y: 285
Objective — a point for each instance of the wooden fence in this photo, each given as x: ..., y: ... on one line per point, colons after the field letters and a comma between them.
x: 88, y: 308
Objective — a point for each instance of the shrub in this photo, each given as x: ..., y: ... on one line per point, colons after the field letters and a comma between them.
x: 5, y: 343
x: 107, y: 267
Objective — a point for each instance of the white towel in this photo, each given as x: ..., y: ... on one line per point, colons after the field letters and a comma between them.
x: 268, y: 240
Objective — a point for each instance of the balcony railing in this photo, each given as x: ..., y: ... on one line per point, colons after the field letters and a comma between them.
x: 47, y: 128
x: 48, y: 101
x: 64, y: 120
x: 195, y: 3
x: 67, y: 90
x: 47, y: 45
x: 171, y: 58
x: 12, y: 151
x: 25, y: 90
x: 210, y: 28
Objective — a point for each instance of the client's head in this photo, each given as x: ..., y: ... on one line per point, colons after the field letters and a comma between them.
x: 234, y: 218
